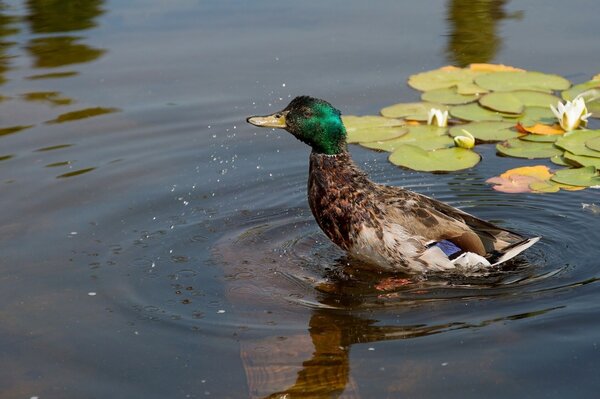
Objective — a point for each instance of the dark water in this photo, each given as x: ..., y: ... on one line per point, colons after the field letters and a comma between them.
x: 154, y: 245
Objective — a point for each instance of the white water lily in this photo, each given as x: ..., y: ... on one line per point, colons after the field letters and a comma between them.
x: 572, y: 114
x: 467, y: 141
x: 437, y: 117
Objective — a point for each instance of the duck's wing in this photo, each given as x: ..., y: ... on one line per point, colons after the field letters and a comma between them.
x: 437, y: 221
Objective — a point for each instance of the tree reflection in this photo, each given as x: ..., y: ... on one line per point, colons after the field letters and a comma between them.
x: 51, y: 16
x: 473, y: 35
x: 7, y: 28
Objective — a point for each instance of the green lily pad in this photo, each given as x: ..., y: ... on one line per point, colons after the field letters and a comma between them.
x: 581, y: 160
x: 559, y: 160
x: 527, y: 149
x: 540, y: 138
x: 486, y: 132
x: 533, y: 115
x: 582, y: 177
x: 545, y: 186
x: 412, y: 111
x: 516, y: 80
x: 375, y: 133
x: 514, y: 102
x: 474, y: 112
x: 575, y: 142
x: 447, y: 96
x: 441, y: 79
x: 443, y: 160
x: 353, y: 122
x: 423, y: 136
x: 576, y: 90
x: 470, y: 88
x: 593, y: 144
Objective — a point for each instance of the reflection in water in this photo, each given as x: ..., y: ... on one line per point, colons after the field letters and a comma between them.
x: 51, y: 16
x: 58, y: 51
x: 83, y: 114
x: 7, y: 28
x: 473, y: 35
x: 319, y: 367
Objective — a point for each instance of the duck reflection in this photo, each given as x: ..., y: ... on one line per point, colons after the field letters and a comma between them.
x: 473, y: 35
x: 318, y: 365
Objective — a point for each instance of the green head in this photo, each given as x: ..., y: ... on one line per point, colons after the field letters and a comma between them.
x: 312, y: 121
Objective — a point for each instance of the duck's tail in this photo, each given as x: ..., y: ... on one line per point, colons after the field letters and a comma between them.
x: 470, y: 259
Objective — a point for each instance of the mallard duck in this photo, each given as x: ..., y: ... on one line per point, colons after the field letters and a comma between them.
x: 390, y: 228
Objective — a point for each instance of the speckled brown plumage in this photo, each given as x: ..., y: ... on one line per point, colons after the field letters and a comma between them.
x: 345, y: 202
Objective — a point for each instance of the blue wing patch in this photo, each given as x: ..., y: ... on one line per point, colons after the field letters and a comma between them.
x: 448, y: 247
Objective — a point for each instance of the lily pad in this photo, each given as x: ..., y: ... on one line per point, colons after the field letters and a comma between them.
x: 514, y: 102
x: 541, y: 129
x: 486, y: 132
x: 593, y: 144
x: 583, y: 177
x: 412, y: 111
x: 447, y: 96
x: 559, y: 160
x: 423, y: 136
x: 516, y: 80
x: 470, y: 88
x: 429, y: 143
x: 581, y: 160
x: 544, y: 187
x: 575, y: 142
x: 443, y: 160
x: 474, y: 112
x: 576, y: 90
x: 533, y: 115
x: 527, y: 149
x: 375, y: 133
x: 538, y: 138
x: 352, y: 122
x: 519, y: 180
x: 441, y: 78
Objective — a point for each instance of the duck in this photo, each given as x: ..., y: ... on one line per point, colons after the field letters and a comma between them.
x: 388, y: 228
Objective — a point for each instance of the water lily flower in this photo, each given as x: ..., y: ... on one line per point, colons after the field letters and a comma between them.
x: 571, y: 114
x: 467, y: 141
x: 437, y: 117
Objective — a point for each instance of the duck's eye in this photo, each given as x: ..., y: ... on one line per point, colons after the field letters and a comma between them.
x: 308, y: 114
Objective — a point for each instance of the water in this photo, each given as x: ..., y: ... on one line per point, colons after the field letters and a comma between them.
x: 161, y: 247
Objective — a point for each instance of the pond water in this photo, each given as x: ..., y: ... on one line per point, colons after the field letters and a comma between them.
x: 155, y: 245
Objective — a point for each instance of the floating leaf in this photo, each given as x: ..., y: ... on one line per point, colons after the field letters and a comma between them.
x: 576, y: 90
x: 441, y: 78
x: 575, y: 142
x: 544, y: 187
x: 520, y: 180
x: 581, y: 160
x: 423, y: 136
x: 412, y: 111
x: 375, y: 134
x: 533, y: 115
x: 470, y: 88
x: 479, y: 67
x: 527, y: 149
x: 447, y: 96
x: 516, y: 80
x: 583, y: 177
x: 503, y: 102
x: 593, y: 144
x: 474, y: 112
x: 539, y: 138
x: 372, y: 128
x: 443, y: 160
x: 514, y: 102
x: 541, y: 129
x: 559, y: 160
x: 487, y: 132
x: 353, y: 122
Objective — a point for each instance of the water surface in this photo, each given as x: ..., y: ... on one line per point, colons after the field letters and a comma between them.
x: 154, y: 245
